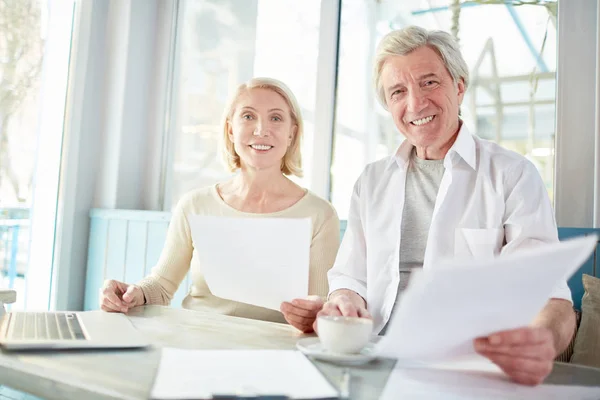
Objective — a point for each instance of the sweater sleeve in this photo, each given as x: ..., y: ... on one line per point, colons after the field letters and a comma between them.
x: 323, y: 250
x: 174, y: 262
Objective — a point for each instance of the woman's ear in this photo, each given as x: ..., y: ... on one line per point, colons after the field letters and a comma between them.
x: 229, y: 130
x: 292, y: 135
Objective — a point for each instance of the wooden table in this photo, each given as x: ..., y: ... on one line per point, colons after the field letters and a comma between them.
x: 130, y: 374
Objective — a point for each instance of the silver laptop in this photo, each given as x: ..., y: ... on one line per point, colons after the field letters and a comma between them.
x: 68, y: 330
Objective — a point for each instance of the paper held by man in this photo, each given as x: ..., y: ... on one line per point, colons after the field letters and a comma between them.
x: 258, y: 261
x: 444, y: 309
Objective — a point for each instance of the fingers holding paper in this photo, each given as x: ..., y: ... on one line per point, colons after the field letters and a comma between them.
x: 301, y: 313
x: 526, y: 355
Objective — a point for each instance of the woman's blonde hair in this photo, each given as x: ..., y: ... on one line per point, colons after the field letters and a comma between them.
x: 292, y: 160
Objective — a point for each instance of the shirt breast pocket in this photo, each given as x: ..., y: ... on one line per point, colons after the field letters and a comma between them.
x: 478, y: 243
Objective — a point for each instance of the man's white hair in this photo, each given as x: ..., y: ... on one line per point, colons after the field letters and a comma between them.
x: 403, y: 41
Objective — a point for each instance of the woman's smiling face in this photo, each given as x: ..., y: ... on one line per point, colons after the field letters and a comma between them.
x: 261, y: 129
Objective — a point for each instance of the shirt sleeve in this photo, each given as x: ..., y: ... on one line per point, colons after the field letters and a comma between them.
x: 529, y: 217
x: 350, y: 268
x: 174, y: 262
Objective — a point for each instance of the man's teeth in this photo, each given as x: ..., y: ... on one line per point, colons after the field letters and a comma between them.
x: 423, y: 121
x: 261, y: 147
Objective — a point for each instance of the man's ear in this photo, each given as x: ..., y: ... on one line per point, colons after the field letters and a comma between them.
x: 461, y: 90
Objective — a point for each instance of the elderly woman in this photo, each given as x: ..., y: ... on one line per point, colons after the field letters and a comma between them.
x: 262, y: 132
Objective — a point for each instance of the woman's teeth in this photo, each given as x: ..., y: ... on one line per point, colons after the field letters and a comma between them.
x: 260, y: 147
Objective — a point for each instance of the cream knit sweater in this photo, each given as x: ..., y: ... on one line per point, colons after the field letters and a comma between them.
x: 178, y: 257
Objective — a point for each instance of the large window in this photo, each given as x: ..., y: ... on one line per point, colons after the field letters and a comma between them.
x: 510, y: 51
x: 221, y: 44
x: 34, y: 58
x: 511, y: 54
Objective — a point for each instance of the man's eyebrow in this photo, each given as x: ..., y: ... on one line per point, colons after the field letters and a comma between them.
x: 422, y: 77
x: 394, y: 87
x: 429, y: 75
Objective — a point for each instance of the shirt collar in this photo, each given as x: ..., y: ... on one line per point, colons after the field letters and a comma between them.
x: 463, y: 147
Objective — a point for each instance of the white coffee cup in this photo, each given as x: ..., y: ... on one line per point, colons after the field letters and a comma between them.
x: 344, y: 335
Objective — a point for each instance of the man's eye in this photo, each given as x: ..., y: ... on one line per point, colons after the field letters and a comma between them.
x: 429, y: 83
x: 396, y: 92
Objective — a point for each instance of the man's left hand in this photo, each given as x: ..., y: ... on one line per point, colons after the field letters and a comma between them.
x: 526, y: 355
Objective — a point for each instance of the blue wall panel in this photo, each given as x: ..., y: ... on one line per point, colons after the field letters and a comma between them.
x: 115, y: 250
x: 590, y: 267
x: 135, y: 257
x: 95, y: 264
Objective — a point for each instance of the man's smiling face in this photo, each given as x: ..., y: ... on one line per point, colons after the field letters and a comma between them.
x: 422, y: 98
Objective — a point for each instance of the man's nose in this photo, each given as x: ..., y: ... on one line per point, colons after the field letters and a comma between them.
x: 416, y: 101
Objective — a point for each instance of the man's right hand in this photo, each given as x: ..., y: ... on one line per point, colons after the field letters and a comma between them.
x: 344, y: 303
x: 117, y: 296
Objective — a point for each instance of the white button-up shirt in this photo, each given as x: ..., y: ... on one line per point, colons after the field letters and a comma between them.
x: 490, y: 201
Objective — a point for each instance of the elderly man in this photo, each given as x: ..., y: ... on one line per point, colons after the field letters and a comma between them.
x: 444, y: 193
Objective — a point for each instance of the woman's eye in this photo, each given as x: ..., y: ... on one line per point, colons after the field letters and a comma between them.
x: 246, y: 116
x: 276, y: 118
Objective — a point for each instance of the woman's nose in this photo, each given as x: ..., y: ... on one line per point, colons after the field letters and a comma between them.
x: 260, y: 130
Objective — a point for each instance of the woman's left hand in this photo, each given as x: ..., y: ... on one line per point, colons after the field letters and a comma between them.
x: 301, y: 313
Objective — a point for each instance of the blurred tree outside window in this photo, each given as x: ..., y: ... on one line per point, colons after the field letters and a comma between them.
x: 21, y: 52
x: 35, y: 44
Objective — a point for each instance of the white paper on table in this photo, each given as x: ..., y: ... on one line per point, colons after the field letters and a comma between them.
x: 471, y: 378
x: 200, y: 374
x: 259, y: 261
x: 444, y: 309
x: 474, y: 378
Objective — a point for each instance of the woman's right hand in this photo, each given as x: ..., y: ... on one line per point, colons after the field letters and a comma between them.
x: 301, y: 313
x: 117, y: 296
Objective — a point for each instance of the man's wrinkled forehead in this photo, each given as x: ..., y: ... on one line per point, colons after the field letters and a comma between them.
x: 413, y: 66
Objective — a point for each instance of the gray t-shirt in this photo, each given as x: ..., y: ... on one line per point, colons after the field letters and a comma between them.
x: 423, y: 180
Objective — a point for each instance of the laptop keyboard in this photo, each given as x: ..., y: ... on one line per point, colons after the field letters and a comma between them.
x: 44, y: 326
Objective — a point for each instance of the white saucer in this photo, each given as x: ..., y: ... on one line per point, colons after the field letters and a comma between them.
x: 312, y: 348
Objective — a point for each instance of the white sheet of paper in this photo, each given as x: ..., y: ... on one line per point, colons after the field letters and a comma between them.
x: 259, y: 261
x: 445, y: 308
x: 200, y: 374
x: 474, y: 378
